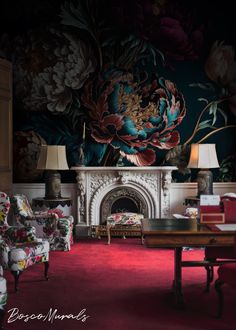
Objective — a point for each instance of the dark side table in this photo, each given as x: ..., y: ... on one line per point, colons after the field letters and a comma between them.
x: 63, y: 203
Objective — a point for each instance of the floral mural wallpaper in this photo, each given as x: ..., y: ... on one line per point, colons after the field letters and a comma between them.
x: 123, y: 83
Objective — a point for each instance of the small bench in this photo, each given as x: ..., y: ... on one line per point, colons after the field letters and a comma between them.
x: 127, y: 220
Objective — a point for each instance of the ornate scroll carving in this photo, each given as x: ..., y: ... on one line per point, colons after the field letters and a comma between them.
x: 81, y: 195
x: 99, y: 188
x: 165, y: 205
x: 146, y: 183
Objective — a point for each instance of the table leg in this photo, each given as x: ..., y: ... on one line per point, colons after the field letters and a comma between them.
x: 177, y: 283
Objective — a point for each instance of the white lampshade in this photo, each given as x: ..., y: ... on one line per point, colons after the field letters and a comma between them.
x: 203, y: 156
x: 52, y: 158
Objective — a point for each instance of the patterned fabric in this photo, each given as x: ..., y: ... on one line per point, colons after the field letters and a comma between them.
x: 23, y: 255
x: 191, y: 212
x: 125, y: 218
x: 19, y: 247
x: 4, y: 208
x: 3, y: 290
x: 57, y: 230
x: 22, y: 207
x: 20, y: 235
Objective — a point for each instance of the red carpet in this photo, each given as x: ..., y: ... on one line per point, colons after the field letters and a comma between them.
x: 124, y: 286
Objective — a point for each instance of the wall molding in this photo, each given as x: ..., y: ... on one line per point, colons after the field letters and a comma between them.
x: 178, y: 192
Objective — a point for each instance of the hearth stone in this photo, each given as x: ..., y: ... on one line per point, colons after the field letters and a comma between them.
x: 100, y: 187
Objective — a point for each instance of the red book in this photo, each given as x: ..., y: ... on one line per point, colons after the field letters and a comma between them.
x: 211, y: 208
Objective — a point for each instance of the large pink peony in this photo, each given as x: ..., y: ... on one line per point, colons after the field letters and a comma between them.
x: 134, y: 118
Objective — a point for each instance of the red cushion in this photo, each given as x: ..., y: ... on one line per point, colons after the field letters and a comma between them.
x: 220, y: 253
x: 227, y: 274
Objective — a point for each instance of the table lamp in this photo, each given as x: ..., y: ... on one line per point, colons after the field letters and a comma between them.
x: 203, y: 156
x: 51, y: 159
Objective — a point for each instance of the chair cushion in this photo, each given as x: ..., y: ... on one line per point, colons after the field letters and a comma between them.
x: 220, y: 253
x: 125, y: 218
x: 227, y: 274
x: 24, y: 255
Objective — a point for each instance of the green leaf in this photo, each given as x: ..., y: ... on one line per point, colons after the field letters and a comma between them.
x: 205, y: 86
x: 205, y: 124
x: 213, y: 108
x: 223, y: 115
x: 202, y: 99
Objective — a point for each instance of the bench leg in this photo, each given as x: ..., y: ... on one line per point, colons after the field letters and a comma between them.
x: 108, y: 234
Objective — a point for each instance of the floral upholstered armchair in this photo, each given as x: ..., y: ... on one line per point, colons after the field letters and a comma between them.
x: 19, y: 247
x: 3, y: 297
x: 49, y: 225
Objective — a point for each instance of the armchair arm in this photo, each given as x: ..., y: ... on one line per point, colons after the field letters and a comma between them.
x: 4, y: 251
x: 43, y: 215
x: 63, y: 225
x: 20, y: 234
x: 1, y: 270
x: 3, y: 292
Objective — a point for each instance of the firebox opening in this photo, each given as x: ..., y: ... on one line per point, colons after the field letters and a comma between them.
x: 124, y: 205
x: 122, y: 199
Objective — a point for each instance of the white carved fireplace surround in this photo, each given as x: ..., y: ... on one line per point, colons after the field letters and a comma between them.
x: 94, y: 183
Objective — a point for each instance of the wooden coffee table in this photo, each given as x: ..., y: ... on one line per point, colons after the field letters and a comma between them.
x: 177, y: 233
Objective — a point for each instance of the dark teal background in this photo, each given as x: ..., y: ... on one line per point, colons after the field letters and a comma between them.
x: 217, y: 22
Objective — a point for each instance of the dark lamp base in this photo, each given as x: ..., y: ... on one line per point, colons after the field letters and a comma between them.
x: 53, y: 185
x: 205, y: 182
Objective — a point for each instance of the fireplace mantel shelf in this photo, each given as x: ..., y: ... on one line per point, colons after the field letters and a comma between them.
x: 124, y: 168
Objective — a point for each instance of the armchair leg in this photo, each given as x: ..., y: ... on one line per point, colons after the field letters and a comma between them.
x: 16, y: 275
x: 218, y: 285
x: 46, y: 267
x: 2, y: 314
